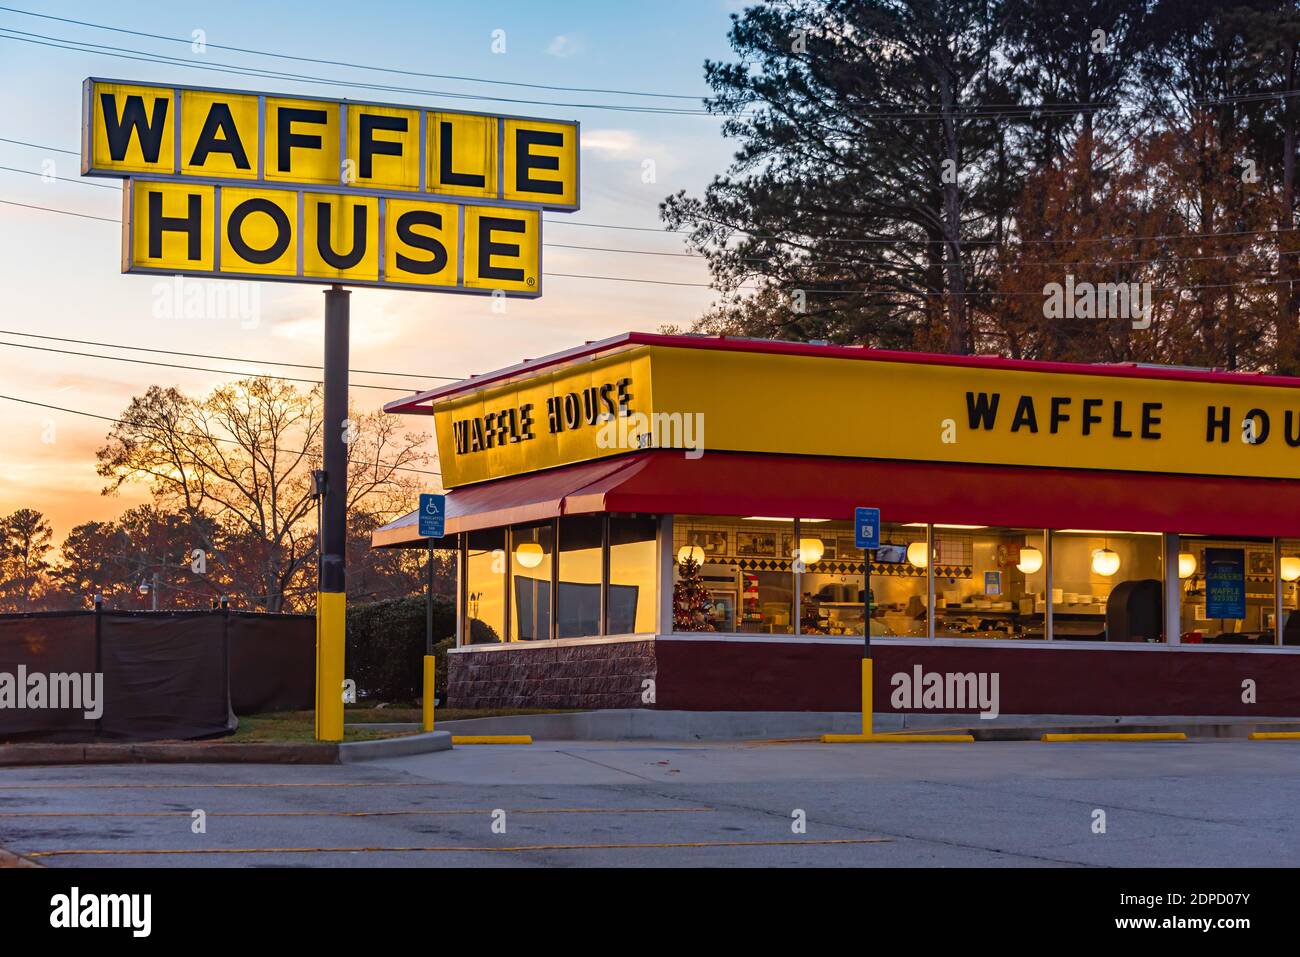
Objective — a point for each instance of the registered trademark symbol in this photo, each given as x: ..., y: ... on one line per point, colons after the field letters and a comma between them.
x: 531, y: 281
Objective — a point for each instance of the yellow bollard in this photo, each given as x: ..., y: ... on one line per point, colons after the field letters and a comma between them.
x: 331, y: 625
x: 866, y: 698
x: 430, y: 665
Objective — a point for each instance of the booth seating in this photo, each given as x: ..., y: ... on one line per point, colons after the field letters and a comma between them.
x: 1134, y: 611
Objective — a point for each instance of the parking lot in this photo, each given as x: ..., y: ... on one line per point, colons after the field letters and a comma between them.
x: 635, y: 804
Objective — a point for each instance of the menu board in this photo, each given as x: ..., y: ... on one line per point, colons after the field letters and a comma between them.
x: 1225, y: 583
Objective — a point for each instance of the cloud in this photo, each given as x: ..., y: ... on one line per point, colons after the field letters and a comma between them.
x: 613, y: 143
x: 565, y: 45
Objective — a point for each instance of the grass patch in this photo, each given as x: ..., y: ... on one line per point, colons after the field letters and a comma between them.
x: 280, y: 726
x: 409, y: 712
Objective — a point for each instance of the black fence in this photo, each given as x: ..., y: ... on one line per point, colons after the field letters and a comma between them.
x: 149, y: 676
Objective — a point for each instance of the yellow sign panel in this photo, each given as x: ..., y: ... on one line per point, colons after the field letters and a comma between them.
x: 210, y: 134
x: 177, y: 227
x: 219, y: 135
x: 552, y: 419
x: 134, y: 128
x: 792, y: 404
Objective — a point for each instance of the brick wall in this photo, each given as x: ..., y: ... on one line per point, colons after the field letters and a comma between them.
x: 605, y: 675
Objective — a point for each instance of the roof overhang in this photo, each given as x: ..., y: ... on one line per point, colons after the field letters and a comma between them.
x: 668, y: 482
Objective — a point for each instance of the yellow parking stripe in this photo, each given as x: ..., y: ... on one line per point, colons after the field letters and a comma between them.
x: 1115, y: 736
x: 451, y: 850
x: 455, y: 811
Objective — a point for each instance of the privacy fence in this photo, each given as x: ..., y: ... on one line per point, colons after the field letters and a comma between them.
x: 146, y: 676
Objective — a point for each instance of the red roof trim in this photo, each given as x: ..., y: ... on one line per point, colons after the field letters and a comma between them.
x: 419, y: 403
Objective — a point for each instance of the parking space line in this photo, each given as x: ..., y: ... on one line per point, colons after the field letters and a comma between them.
x: 449, y: 811
x: 447, y: 849
x: 66, y: 786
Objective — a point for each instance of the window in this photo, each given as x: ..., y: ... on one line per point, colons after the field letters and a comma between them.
x: 1289, y: 572
x: 1107, y: 586
x: 531, y: 548
x: 485, y: 586
x: 744, y: 565
x: 1227, y: 590
x: 830, y: 584
x: 990, y: 582
x: 633, y: 571
x: 581, y: 560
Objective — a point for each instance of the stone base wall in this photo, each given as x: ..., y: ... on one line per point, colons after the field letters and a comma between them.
x: 605, y: 675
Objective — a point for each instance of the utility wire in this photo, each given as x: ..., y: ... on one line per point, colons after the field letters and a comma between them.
x: 213, y: 438
x: 144, y: 56
x: 201, y: 355
x: 355, y: 66
x: 172, y: 365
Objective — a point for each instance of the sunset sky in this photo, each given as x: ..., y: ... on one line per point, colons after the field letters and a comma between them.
x: 60, y: 276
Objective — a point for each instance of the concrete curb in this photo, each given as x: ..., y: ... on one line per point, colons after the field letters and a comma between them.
x: 183, y: 752
x: 632, y: 724
x: 10, y: 859
x: 425, y: 743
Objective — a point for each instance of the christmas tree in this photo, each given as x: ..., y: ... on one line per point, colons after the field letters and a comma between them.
x: 690, y: 600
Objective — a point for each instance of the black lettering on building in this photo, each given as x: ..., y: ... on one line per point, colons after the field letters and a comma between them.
x: 1150, y: 420
x: 1026, y: 417
x: 1117, y: 428
x: 982, y: 411
x: 1058, y: 416
x: 1215, y: 423
x: 1089, y: 417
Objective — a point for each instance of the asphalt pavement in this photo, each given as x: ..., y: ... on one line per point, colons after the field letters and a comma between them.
x: 1221, y: 803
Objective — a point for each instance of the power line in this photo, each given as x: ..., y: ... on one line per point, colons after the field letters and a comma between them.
x: 201, y: 355
x: 355, y: 66
x: 144, y: 56
x: 63, y: 212
x: 172, y: 365
x: 109, y: 418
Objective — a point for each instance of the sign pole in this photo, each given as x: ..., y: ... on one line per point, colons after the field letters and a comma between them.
x: 331, y: 605
x: 432, y: 524
x: 866, y: 536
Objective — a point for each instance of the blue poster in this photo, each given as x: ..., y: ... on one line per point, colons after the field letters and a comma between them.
x: 993, y: 583
x: 1225, y: 583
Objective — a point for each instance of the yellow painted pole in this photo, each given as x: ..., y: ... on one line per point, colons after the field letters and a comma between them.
x: 430, y: 665
x: 866, y: 695
x: 331, y: 617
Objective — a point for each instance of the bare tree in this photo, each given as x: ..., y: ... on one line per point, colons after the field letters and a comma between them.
x: 243, y: 457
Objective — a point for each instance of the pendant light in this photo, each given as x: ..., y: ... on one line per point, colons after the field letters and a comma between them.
x: 529, y: 554
x: 1031, y: 560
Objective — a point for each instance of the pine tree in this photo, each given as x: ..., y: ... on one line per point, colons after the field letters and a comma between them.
x: 690, y: 600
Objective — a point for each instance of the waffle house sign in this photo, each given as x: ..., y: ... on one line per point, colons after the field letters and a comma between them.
x: 251, y: 185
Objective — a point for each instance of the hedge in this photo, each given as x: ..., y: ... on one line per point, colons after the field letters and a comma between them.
x: 385, y: 646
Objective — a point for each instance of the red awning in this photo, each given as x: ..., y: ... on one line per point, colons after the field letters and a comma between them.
x: 720, y: 483
x: 512, y: 501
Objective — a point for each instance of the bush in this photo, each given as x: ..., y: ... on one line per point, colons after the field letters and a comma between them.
x: 385, y: 646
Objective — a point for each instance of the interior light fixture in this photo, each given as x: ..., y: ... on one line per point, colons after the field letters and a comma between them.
x: 1031, y: 560
x: 1105, y: 561
x: 690, y: 553
x: 529, y: 554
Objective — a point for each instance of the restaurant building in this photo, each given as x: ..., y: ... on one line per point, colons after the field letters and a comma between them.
x: 1106, y: 539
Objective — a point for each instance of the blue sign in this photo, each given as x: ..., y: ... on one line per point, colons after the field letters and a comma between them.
x: 433, y: 516
x: 866, y: 527
x: 1225, y: 583
x: 993, y: 583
